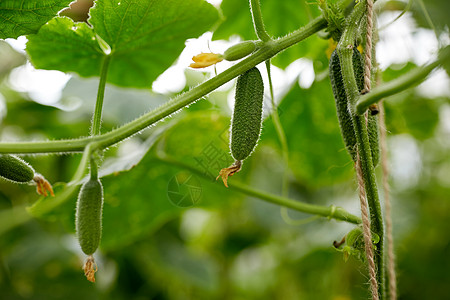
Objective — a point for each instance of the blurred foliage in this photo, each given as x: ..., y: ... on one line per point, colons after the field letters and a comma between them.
x: 169, y: 233
x: 436, y: 9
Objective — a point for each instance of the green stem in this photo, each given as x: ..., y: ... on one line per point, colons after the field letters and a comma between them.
x: 332, y: 212
x: 428, y: 18
x: 281, y: 136
x: 258, y: 21
x: 267, y: 51
x: 97, y: 117
x: 345, y: 51
x: 397, y: 85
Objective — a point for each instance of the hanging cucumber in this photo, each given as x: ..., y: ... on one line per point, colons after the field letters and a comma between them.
x: 246, y: 120
x: 15, y: 169
x: 88, y: 222
x: 343, y: 112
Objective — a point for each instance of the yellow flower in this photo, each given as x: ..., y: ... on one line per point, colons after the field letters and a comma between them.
x: 204, y: 60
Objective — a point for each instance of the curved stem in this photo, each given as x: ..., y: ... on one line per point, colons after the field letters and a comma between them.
x: 332, y: 212
x: 345, y: 51
x: 269, y: 49
x: 97, y: 117
x: 258, y: 21
x: 392, y: 87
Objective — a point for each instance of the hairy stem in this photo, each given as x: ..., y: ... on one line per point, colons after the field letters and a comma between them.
x: 267, y: 51
x: 97, y: 117
x: 332, y: 212
x: 345, y: 51
x: 258, y: 21
x: 397, y: 85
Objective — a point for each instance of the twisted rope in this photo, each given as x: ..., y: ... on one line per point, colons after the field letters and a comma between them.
x: 368, y: 48
x: 366, y: 231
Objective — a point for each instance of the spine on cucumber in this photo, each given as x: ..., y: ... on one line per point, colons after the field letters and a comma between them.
x: 342, y: 108
x: 247, y: 115
x: 89, y: 215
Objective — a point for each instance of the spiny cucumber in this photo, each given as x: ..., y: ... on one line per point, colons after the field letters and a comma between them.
x: 246, y: 120
x: 88, y: 222
x: 89, y: 215
x: 15, y: 169
x: 343, y: 112
x: 247, y: 115
x: 239, y: 50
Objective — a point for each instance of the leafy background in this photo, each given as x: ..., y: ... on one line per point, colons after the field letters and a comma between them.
x: 225, y: 245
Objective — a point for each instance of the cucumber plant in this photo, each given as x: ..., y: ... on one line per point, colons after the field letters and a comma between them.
x: 131, y: 45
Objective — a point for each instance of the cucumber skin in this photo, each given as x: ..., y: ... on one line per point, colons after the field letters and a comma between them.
x: 343, y: 113
x: 247, y: 115
x: 239, y: 51
x: 15, y: 169
x: 89, y: 216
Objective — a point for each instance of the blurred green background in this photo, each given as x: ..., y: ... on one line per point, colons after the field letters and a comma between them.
x: 169, y: 233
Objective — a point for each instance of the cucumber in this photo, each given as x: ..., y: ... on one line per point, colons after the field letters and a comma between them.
x: 88, y: 219
x: 343, y: 112
x: 247, y: 115
x: 246, y: 121
x: 239, y: 50
x: 15, y: 169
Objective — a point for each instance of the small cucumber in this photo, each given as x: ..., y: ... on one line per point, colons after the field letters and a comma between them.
x: 15, y: 169
x: 89, y: 215
x: 343, y: 113
x: 246, y: 120
x: 247, y: 115
x: 239, y: 51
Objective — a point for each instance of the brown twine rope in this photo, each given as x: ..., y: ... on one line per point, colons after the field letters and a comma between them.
x: 368, y: 48
x: 366, y: 230
x: 387, y: 204
x: 362, y: 193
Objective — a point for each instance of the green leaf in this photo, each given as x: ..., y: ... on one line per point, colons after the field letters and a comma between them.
x: 280, y: 18
x: 145, y: 37
x: 66, y: 46
x: 317, y: 154
x: 24, y: 17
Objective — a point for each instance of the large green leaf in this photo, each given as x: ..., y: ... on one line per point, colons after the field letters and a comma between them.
x: 317, y: 154
x: 280, y: 17
x: 66, y: 46
x: 27, y: 16
x: 145, y: 37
